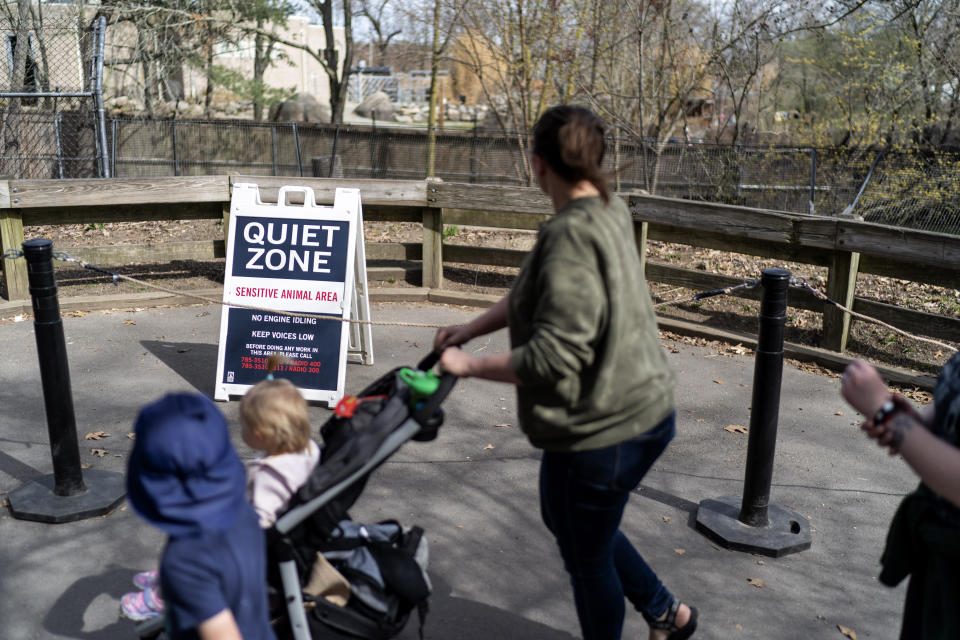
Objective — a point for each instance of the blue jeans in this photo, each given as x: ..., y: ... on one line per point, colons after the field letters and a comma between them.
x: 582, y: 497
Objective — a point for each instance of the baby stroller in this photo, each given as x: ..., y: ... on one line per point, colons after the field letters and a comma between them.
x: 378, y: 572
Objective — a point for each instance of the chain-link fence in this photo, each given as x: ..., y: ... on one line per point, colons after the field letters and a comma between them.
x: 919, y: 192
x: 51, y: 93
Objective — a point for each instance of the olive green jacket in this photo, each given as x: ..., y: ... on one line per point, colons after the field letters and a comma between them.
x: 584, y: 335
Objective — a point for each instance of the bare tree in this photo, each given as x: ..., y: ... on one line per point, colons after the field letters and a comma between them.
x: 380, y: 15
x: 446, y: 15
x: 512, y: 47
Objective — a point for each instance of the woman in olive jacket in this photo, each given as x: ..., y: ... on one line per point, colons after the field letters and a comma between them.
x: 594, y: 390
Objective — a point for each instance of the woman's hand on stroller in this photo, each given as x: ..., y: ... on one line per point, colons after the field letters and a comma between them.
x: 456, y: 362
x: 451, y: 336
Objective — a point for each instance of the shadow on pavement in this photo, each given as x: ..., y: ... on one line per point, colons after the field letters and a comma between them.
x: 16, y: 469
x: 452, y: 617
x: 195, y: 362
x: 66, y: 616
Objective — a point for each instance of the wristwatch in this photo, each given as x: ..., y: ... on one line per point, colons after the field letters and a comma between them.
x: 894, y: 405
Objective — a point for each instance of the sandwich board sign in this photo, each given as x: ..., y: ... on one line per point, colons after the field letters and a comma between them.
x: 292, y: 269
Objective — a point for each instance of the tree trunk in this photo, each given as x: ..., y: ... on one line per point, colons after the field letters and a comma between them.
x: 338, y: 78
x: 208, y: 93
x: 261, y: 57
x: 434, y: 92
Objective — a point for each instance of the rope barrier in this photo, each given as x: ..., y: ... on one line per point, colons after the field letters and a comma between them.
x: 802, y: 282
x: 65, y: 257
x: 748, y: 283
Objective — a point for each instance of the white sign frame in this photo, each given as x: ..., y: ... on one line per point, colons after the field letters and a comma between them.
x: 246, y: 203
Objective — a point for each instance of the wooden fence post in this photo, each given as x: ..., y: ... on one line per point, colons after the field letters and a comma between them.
x: 841, y: 287
x: 225, y: 208
x: 432, y: 248
x: 432, y: 239
x: 642, y: 229
x: 11, y: 237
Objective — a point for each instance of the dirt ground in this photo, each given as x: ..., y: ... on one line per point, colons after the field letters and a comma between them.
x: 870, y: 341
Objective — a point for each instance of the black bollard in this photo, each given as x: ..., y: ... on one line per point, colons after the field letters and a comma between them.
x: 64, y: 496
x: 751, y: 523
x: 767, y: 376
x: 54, y: 374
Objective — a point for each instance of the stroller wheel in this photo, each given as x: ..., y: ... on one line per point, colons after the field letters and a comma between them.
x: 429, y: 427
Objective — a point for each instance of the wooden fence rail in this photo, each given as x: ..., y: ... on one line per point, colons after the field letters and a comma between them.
x: 845, y: 247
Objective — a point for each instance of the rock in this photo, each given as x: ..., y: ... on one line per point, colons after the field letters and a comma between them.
x: 376, y: 105
x: 300, y: 108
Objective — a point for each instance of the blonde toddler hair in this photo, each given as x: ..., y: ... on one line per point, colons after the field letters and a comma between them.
x: 278, y: 413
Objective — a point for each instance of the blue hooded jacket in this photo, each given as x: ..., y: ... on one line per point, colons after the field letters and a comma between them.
x: 184, y: 475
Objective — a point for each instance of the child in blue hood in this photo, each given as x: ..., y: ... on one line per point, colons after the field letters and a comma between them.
x: 185, y: 478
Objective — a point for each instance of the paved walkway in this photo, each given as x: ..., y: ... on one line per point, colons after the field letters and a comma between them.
x: 495, y: 571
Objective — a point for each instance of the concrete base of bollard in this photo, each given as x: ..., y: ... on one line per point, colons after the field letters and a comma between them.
x: 786, y: 531
x: 35, y: 500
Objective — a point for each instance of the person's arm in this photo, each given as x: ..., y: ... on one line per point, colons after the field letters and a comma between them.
x: 463, y: 365
x: 936, y: 462
x: 491, y: 320
x: 222, y: 626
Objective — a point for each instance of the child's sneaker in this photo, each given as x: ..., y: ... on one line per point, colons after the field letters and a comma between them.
x: 147, y: 579
x: 141, y: 605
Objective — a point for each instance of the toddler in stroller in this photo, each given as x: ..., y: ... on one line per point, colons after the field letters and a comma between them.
x: 384, y: 564
x: 329, y: 577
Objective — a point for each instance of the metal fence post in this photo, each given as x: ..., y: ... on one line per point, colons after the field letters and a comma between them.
x: 100, y: 44
x: 333, y: 152
x: 176, y: 154
x: 113, y: 146
x: 813, y: 177
x: 473, y: 151
x: 56, y: 134
x: 273, y: 140
x: 373, y: 143
x: 296, y: 145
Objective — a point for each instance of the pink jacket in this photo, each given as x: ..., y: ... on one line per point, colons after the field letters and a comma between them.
x: 272, y: 480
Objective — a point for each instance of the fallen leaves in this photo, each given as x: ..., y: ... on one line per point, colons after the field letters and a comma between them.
x: 129, y: 322
x: 488, y: 447
x: 756, y: 582
x: 850, y: 633
x: 666, y: 518
x: 838, y: 413
x: 718, y: 381
x: 679, y: 552
x: 502, y: 425
x: 132, y: 436
x: 735, y: 428
x: 74, y: 314
x: 99, y: 452
x: 96, y: 435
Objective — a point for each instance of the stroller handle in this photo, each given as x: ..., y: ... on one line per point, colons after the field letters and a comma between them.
x: 429, y: 361
x: 431, y: 404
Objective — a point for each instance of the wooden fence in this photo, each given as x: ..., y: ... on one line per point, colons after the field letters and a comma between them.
x: 844, y: 246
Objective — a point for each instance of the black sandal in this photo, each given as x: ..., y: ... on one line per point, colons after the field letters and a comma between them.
x: 669, y: 623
